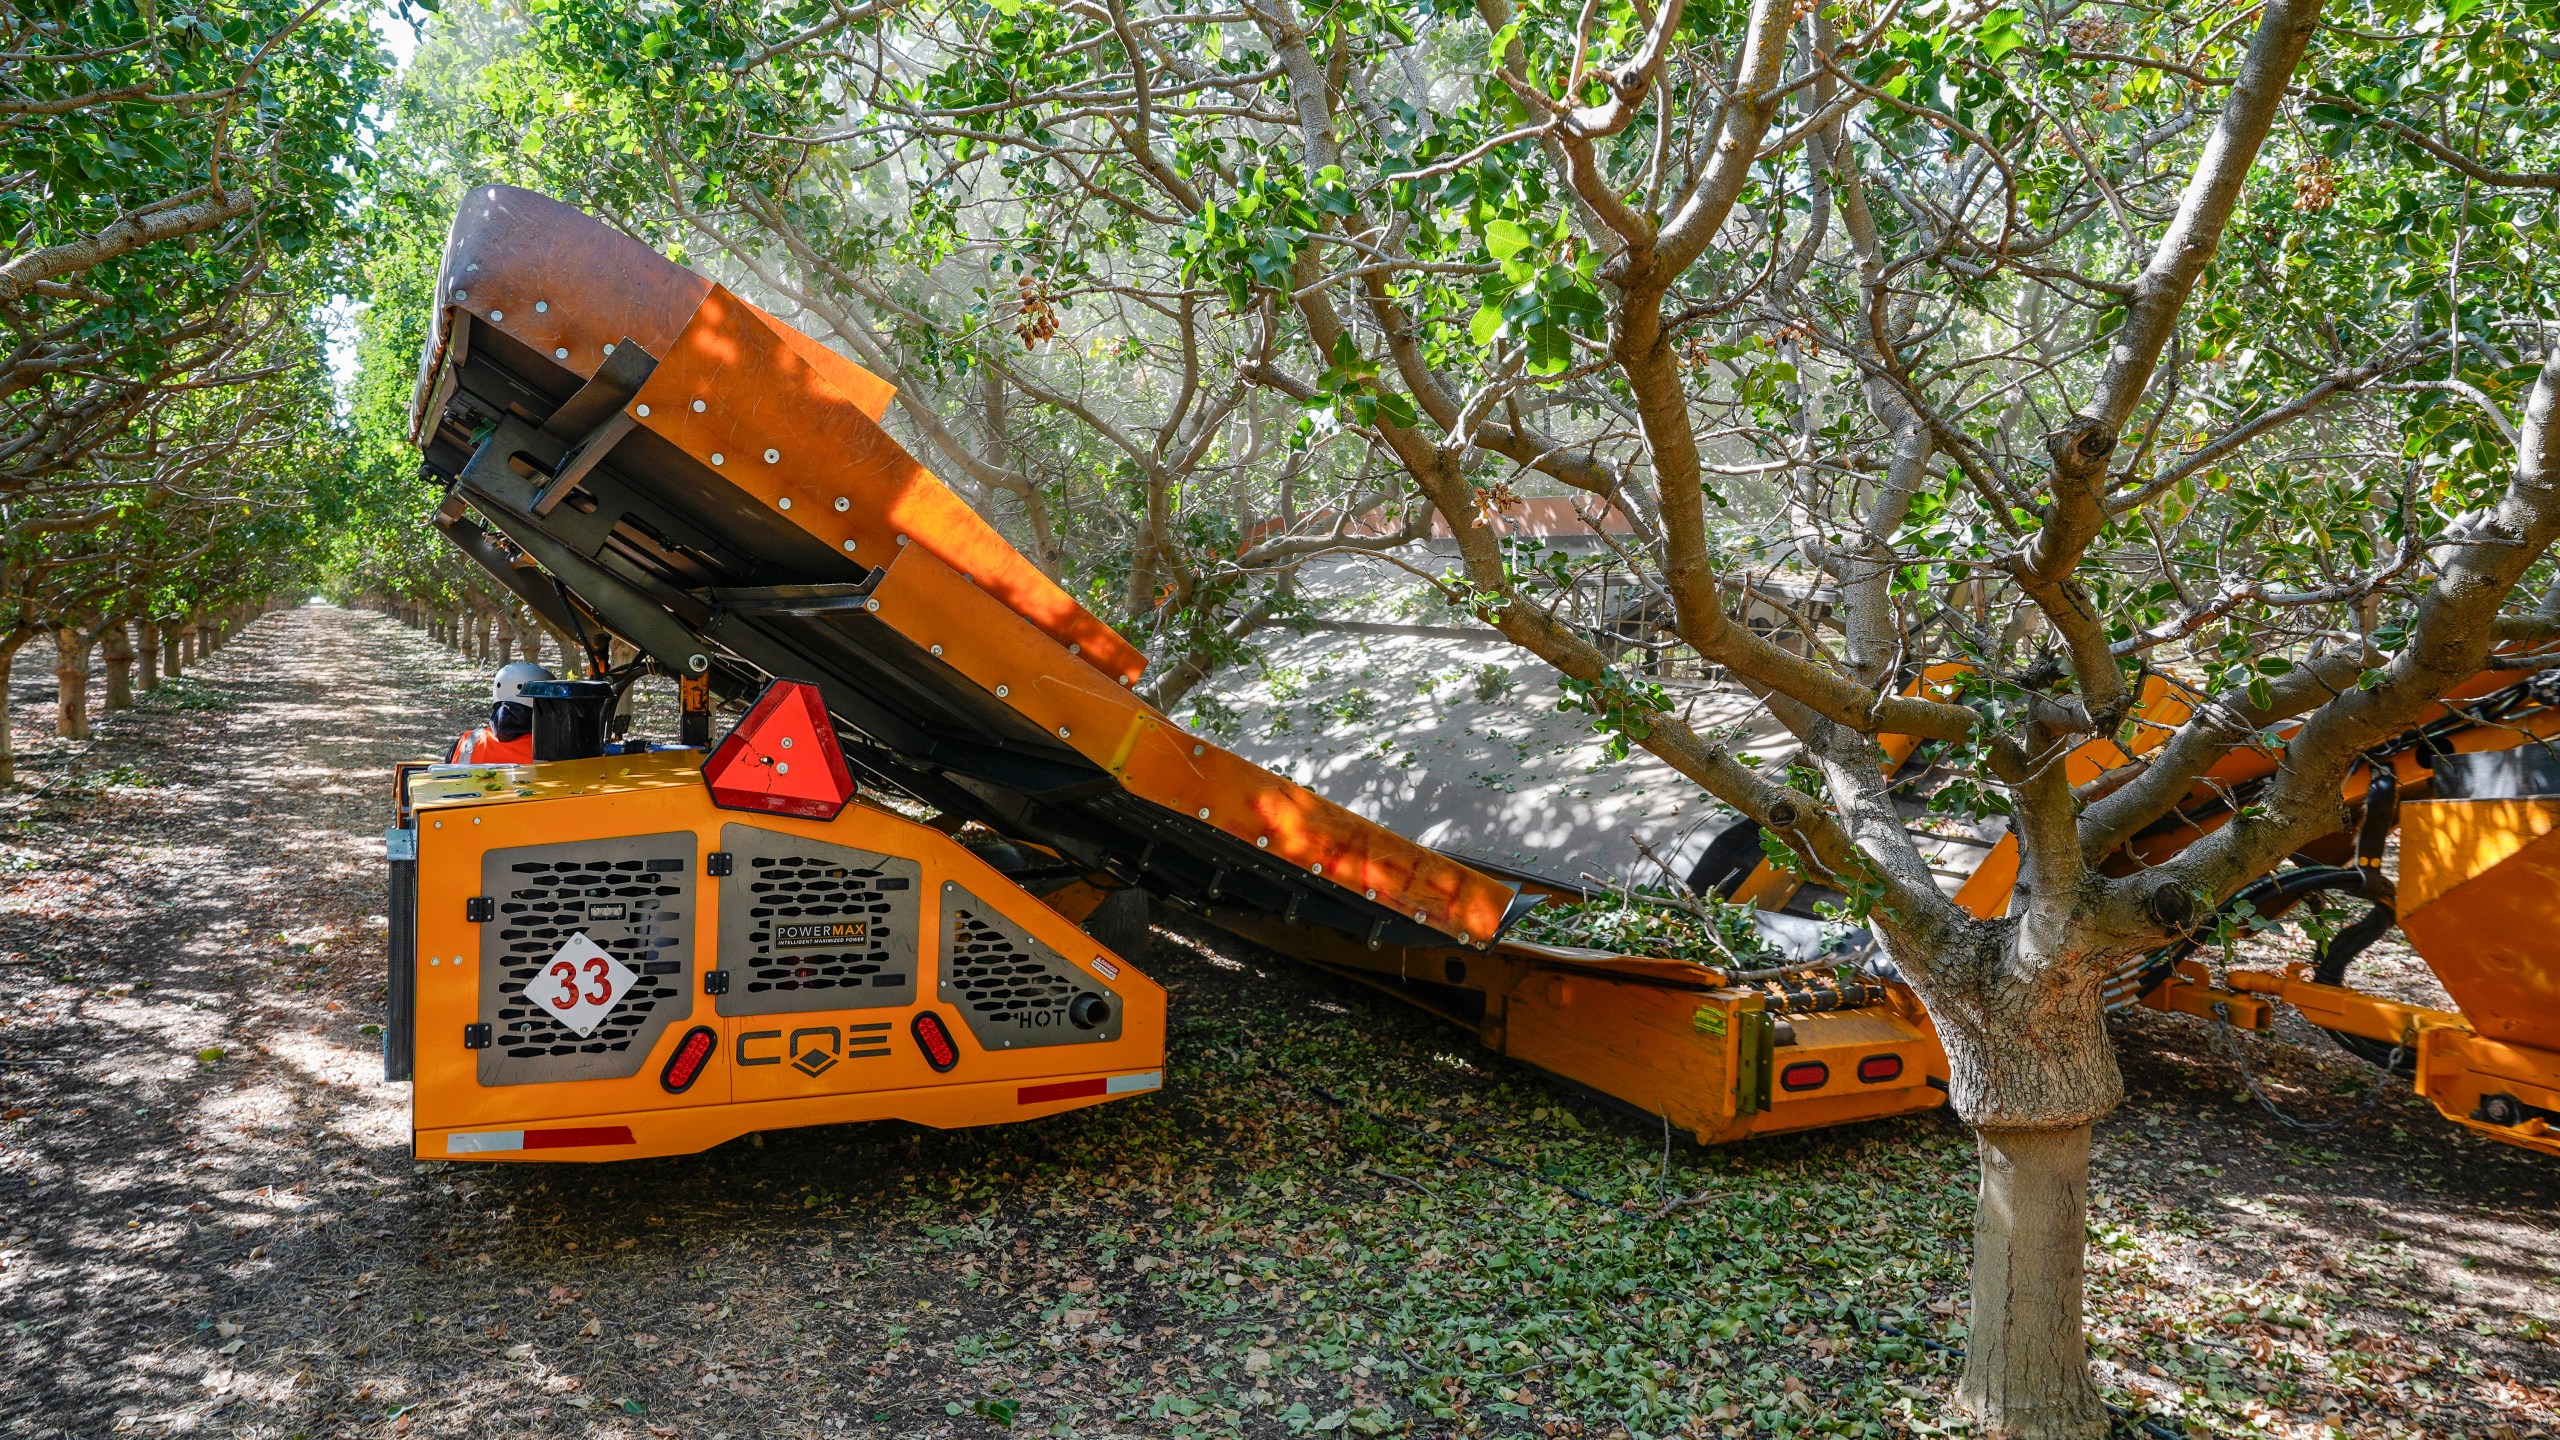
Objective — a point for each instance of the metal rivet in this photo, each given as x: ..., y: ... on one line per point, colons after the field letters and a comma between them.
x: 497, y: 314
x: 461, y: 295
x: 697, y: 663
x: 1199, y: 749
x: 541, y: 307
x: 439, y: 824
x: 936, y: 650
x: 784, y: 502
x: 1317, y: 868
x: 870, y: 604
x: 786, y: 742
x: 842, y: 504
x: 471, y: 269
x: 1074, y: 649
x: 475, y: 819
x: 644, y: 412
x: 1373, y: 894
x: 771, y: 456
x: 719, y: 459
x: 1261, y: 842
x: 1062, y: 732
x: 1417, y: 914
x: 560, y: 353
x: 1204, y: 812
x: 1125, y: 679
x: 1003, y: 690
x: 699, y: 407
x: 608, y: 349
x: 783, y: 767
x: 848, y: 547
x: 902, y: 539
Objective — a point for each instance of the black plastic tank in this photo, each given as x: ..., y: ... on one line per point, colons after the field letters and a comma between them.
x: 569, y: 718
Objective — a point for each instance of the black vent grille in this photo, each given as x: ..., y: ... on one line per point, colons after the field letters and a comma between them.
x: 1013, y: 989
x: 631, y: 895
x: 999, y: 980
x: 547, y: 906
x: 808, y: 894
x: 808, y: 926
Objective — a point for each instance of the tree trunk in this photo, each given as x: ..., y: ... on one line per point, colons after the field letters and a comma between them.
x: 71, y: 674
x: 146, y: 652
x: 173, y: 644
x: 8, y: 738
x: 2026, y: 1364
x: 118, y: 653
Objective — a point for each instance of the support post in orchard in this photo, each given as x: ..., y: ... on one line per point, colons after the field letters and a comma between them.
x: 146, y: 652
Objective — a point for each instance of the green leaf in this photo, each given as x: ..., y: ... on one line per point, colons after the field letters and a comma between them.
x: 1505, y: 238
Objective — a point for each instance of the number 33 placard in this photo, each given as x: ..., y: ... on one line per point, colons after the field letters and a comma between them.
x: 580, y: 984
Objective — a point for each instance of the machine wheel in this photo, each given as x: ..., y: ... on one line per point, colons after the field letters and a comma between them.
x: 1121, y: 922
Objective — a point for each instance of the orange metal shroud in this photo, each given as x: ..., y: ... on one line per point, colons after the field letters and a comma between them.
x: 795, y: 427
x: 954, y: 619
x: 458, y: 819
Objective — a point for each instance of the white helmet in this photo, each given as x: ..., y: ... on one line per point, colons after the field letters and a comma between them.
x: 512, y: 678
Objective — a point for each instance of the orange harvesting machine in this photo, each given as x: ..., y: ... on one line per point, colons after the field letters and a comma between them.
x: 912, y: 880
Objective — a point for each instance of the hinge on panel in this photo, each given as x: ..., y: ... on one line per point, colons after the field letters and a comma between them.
x: 480, y: 909
x: 720, y: 862
x: 475, y: 1037
x: 715, y: 982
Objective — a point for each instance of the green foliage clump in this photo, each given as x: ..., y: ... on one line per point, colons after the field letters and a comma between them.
x: 1653, y: 923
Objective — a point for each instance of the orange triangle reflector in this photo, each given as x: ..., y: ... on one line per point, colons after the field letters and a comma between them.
x: 781, y: 757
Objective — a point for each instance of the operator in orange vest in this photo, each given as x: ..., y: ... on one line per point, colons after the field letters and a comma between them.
x: 508, y: 737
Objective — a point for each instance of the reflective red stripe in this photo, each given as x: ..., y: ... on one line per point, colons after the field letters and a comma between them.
x: 1065, y: 1090
x: 574, y: 1136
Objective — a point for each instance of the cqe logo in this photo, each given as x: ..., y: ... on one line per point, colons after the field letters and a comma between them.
x: 813, y: 1050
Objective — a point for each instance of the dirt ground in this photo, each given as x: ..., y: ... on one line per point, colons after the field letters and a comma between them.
x: 1338, y: 1217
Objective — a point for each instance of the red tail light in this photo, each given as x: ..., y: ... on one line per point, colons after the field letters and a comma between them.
x: 685, y: 1066
x: 935, y: 1042
x: 1804, y: 1075
x: 1877, y: 1069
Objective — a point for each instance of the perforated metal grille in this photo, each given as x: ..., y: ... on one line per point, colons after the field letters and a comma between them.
x: 995, y: 978
x: 811, y: 926
x: 632, y: 896
x: 1010, y: 989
